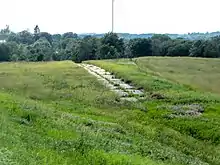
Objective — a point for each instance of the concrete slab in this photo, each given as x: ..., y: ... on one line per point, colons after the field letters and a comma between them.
x: 135, y: 92
x: 116, y: 81
x: 109, y: 77
x: 130, y: 99
x: 107, y: 73
x: 121, y: 93
x: 113, y: 83
x: 126, y: 86
x: 112, y: 87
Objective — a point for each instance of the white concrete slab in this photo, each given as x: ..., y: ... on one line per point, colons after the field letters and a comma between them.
x: 130, y: 99
x: 113, y: 83
x: 126, y: 86
x: 135, y: 92
x: 121, y: 93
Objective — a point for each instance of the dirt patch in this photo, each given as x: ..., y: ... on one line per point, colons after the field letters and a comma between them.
x: 157, y: 96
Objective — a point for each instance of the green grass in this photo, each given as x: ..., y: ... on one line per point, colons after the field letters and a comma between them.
x: 198, y: 137
x: 57, y: 113
x: 199, y: 73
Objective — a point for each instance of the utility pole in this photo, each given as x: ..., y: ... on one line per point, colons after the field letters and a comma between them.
x: 113, y: 15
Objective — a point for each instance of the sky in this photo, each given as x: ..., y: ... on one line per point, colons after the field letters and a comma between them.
x: 94, y: 16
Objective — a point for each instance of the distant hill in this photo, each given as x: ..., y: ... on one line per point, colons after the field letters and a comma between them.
x: 189, y: 36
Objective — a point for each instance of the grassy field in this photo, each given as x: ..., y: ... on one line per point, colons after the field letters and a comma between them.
x: 198, y: 137
x: 57, y: 113
x: 199, y: 73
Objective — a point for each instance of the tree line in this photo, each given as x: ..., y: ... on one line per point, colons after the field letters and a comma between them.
x: 43, y: 46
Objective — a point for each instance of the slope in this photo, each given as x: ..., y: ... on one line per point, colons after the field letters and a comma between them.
x: 184, y: 118
x: 57, y: 113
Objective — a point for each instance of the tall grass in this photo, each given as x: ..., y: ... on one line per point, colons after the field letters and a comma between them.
x: 196, y: 136
x: 57, y: 113
x: 199, y: 73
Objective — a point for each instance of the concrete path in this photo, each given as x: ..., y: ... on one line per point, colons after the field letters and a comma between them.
x: 126, y: 91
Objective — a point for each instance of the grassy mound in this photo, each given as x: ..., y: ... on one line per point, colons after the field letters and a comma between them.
x: 57, y: 113
x: 184, y: 117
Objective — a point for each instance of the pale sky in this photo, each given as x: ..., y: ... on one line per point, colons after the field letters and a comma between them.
x: 94, y: 16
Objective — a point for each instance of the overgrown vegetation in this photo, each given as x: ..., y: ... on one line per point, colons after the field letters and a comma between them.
x: 56, y: 113
x: 174, y: 107
x: 43, y: 46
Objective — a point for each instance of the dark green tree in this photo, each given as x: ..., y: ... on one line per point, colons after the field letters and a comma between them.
x: 112, y: 39
x: 6, y: 30
x: 36, y: 30
x: 158, y: 41
x: 179, y: 47
x: 23, y: 37
x: 4, y: 52
x: 140, y: 47
x: 48, y: 36
x: 41, y: 50
x: 197, y: 48
x: 70, y: 35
